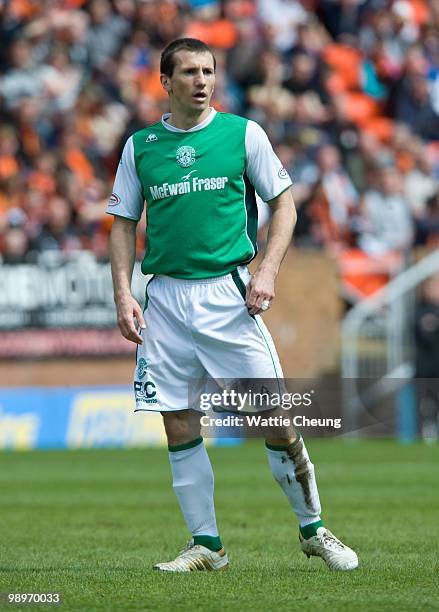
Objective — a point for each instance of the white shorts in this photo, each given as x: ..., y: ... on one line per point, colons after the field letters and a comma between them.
x: 198, y: 330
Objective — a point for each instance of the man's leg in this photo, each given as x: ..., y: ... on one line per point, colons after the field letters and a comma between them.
x: 192, y: 476
x: 293, y: 470
x: 193, y: 483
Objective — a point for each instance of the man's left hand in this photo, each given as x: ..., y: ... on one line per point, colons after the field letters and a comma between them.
x: 260, y: 289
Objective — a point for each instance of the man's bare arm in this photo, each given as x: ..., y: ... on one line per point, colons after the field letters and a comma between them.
x: 283, y: 221
x: 123, y: 255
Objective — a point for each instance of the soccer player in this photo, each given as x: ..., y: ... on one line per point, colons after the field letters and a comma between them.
x: 198, y: 170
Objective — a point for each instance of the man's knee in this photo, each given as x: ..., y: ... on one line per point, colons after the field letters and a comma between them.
x: 181, y: 426
x: 281, y: 433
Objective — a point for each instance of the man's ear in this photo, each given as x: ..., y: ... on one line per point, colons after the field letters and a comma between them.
x: 166, y: 83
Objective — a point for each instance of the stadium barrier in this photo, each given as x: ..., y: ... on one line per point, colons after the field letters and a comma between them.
x: 83, y: 417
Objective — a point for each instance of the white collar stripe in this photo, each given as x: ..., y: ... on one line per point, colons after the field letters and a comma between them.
x: 196, y: 128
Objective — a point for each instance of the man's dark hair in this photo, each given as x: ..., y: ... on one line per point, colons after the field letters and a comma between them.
x: 167, y: 63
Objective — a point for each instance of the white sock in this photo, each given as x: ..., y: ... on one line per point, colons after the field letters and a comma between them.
x: 293, y: 470
x: 192, y: 480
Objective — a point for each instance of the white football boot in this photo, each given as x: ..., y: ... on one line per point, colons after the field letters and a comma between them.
x: 195, y: 557
x: 334, y: 553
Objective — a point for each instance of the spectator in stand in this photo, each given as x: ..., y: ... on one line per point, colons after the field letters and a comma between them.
x: 228, y: 96
x: 427, y: 226
x: 106, y: 33
x: 414, y: 107
x: 15, y: 246
x: 386, y: 223
x: 304, y: 75
x: 341, y: 17
x: 335, y: 200
x: 312, y: 38
x: 243, y: 59
x: 25, y: 79
x: 281, y: 19
x: 58, y: 232
x: 304, y: 174
x: 271, y: 103
x: 42, y: 178
x: 62, y: 80
x: 419, y: 184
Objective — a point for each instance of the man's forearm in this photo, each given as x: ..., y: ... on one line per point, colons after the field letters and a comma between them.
x: 280, y: 232
x: 260, y: 289
x: 122, y: 255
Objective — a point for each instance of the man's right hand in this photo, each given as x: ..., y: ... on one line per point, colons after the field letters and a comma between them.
x: 128, y: 310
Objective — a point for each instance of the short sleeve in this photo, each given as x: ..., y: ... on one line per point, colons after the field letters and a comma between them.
x: 127, y: 198
x: 263, y: 167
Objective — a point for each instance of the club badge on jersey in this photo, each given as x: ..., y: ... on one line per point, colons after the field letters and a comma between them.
x: 185, y: 156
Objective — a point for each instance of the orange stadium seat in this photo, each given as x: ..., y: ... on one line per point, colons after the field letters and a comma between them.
x: 25, y: 9
x: 359, y: 107
x: 220, y: 34
x: 79, y: 165
x: 363, y: 275
x: 345, y: 62
x: 421, y: 11
x: 40, y: 181
x: 380, y: 127
x: 149, y: 83
x: 8, y: 166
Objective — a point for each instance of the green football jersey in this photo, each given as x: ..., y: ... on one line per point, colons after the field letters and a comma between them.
x: 199, y: 187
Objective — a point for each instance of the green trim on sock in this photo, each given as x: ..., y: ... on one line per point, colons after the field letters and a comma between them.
x: 283, y: 447
x: 275, y: 447
x: 180, y: 447
x: 297, y: 440
x: 308, y: 531
x: 210, y: 542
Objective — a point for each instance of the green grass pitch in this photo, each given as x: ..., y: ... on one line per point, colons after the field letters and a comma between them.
x: 90, y: 524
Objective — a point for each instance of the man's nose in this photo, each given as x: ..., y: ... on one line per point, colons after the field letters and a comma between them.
x: 200, y: 77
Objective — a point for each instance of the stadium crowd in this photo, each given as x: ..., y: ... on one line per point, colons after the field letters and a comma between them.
x: 348, y: 91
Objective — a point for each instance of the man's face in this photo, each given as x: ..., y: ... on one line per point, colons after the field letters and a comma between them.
x: 391, y: 181
x: 192, y: 82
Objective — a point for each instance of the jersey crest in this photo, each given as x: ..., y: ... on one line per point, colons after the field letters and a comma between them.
x: 185, y: 156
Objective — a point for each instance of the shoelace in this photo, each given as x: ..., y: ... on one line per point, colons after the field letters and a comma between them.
x: 331, y: 541
x: 190, y: 544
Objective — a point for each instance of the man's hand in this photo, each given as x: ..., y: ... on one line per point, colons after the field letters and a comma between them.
x: 129, y: 309
x: 260, y: 289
